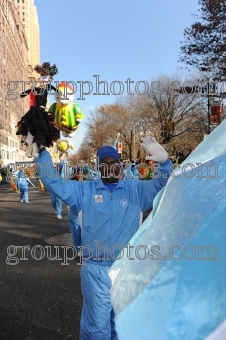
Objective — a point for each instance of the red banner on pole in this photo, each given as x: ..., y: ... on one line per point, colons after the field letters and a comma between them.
x: 119, y: 147
x: 215, y: 114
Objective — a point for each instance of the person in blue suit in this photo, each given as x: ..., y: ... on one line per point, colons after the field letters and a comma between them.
x: 111, y: 214
x: 23, y: 186
x: 57, y: 205
x: 56, y: 201
x: 74, y: 218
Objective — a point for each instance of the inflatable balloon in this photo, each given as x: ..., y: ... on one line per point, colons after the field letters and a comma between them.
x: 171, y: 284
x: 68, y: 115
x: 64, y: 146
x: 37, y: 127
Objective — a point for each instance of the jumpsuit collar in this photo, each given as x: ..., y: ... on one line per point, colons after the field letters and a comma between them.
x: 100, y: 185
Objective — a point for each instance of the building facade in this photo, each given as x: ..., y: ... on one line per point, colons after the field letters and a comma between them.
x: 29, y: 18
x: 13, y: 66
x: 19, y: 47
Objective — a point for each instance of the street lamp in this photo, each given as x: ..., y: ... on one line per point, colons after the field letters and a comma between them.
x: 209, y: 89
x: 212, y: 92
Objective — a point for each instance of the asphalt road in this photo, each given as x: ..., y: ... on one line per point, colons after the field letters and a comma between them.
x: 39, y: 299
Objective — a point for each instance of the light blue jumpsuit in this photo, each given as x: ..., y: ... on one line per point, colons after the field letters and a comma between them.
x: 74, y: 225
x: 109, y: 220
x: 56, y: 203
x: 23, y: 185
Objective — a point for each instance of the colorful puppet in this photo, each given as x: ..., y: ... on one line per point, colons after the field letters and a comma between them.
x: 68, y: 115
x: 37, y: 126
x: 14, y: 185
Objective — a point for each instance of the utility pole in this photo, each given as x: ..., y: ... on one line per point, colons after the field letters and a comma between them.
x: 208, y: 108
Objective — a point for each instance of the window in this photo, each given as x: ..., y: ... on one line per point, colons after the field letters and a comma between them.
x: 22, y: 1
x: 23, y: 19
x: 6, y: 115
x: 23, y: 13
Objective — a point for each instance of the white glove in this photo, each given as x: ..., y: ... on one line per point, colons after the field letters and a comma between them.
x: 157, y: 152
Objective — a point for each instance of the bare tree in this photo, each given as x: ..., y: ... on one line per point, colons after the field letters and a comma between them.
x: 175, y: 118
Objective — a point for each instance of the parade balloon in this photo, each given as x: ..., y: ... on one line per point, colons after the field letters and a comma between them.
x: 37, y: 127
x: 171, y: 285
x: 64, y: 146
x: 68, y: 115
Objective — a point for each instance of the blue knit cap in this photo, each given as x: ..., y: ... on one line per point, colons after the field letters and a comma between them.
x: 107, y: 151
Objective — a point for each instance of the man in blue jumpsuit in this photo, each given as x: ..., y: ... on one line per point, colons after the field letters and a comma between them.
x: 111, y: 214
x: 56, y: 201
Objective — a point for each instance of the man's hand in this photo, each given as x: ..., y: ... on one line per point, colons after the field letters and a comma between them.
x: 157, y: 152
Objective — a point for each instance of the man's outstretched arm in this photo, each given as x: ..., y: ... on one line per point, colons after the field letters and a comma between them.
x: 68, y: 191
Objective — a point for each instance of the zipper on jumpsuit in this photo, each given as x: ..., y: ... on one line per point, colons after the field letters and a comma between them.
x: 111, y: 217
x: 111, y: 214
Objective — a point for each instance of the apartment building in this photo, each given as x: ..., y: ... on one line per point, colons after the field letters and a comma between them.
x: 29, y: 17
x: 19, y: 53
x: 13, y: 66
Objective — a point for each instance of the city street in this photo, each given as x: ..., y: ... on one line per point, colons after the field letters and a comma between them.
x: 40, y: 299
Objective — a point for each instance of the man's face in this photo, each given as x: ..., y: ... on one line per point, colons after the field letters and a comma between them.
x: 110, y: 168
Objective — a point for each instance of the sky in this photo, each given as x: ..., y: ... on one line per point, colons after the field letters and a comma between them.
x: 113, y: 40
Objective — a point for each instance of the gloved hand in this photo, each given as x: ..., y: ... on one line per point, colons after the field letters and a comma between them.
x: 157, y: 152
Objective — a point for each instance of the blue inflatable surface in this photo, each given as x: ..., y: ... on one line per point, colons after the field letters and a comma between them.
x: 171, y: 285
